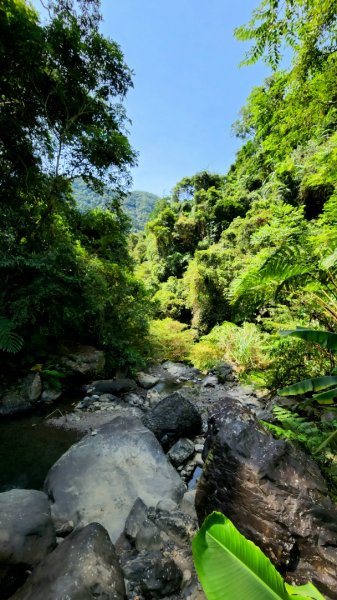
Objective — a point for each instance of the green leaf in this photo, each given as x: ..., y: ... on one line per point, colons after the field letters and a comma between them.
x: 230, y: 566
x: 326, y: 339
x: 308, y: 590
x: 326, y: 397
x: 308, y: 385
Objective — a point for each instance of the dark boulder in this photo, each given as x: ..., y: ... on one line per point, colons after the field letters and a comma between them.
x: 83, y: 567
x: 153, y: 575
x: 112, y: 386
x: 274, y: 493
x: 172, y: 418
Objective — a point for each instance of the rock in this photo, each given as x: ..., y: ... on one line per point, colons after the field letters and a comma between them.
x: 210, y: 381
x: 148, y: 537
x: 180, y: 370
x: 113, y: 386
x: 27, y: 534
x: 133, y: 399
x: 14, y: 401
x: 181, y: 451
x: 187, y: 503
x: 135, y: 519
x: 274, y: 493
x: 224, y: 372
x: 83, y: 567
x: 153, y: 575
x: 180, y: 527
x: 172, y: 418
x: 100, y: 478
x: 167, y: 505
x: 33, y: 385
x: 81, y: 360
x: 49, y: 396
x: 146, y: 381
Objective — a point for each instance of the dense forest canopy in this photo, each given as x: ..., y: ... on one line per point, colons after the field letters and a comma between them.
x: 64, y: 275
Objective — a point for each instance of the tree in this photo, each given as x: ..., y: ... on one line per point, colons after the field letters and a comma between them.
x: 308, y: 27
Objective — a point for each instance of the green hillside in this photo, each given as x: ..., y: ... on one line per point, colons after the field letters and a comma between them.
x: 137, y: 205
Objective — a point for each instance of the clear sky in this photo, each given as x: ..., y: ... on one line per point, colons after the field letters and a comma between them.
x: 188, y: 88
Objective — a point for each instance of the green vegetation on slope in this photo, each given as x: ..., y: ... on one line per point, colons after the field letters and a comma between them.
x: 137, y: 205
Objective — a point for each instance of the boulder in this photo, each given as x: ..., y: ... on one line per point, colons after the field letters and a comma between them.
x: 181, y: 451
x: 146, y: 381
x: 274, y: 493
x: 100, y: 478
x: 84, y: 566
x: 33, y: 385
x: 112, y: 386
x: 81, y: 360
x: 172, y: 418
x: 153, y: 575
x: 27, y: 534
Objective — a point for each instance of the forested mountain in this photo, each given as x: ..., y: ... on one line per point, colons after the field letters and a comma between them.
x: 137, y: 205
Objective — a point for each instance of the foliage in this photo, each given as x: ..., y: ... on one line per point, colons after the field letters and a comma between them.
x: 65, y: 275
x: 326, y: 340
x: 170, y: 340
x: 242, y: 346
x: 318, y: 437
x: 230, y: 566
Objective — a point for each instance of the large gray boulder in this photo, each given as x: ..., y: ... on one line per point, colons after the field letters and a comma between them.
x: 275, y: 495
x: 27, y: 534
x: 83, y: 567
x: 172, y: 418
x: 100, y: 478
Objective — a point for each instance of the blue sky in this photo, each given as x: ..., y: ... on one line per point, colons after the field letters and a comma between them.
x: 188, y: 88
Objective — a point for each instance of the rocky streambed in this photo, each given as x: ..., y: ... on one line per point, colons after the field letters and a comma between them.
x: 117, y: 512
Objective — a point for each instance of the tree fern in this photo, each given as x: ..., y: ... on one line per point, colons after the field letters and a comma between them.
x: 10, y: 341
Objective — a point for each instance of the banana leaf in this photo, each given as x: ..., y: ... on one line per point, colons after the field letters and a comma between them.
x: 315, y: 384
x: 230, y: 566
x: 326, y: 339
x: 326, y: 397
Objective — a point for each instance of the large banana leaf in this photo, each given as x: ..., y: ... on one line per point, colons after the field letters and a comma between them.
x: 326, y: 339
x: 316, y: 384
x: 229, y: 566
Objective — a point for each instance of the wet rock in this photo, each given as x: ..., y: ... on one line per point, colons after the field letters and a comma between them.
x: 172, y: 418
x: 14, y: 401
x: 153, y: 575
x: 224, y: 372
x: 146, y: 381
x: 83, y: 567
x: 181, y: 451
x: 275, y: 495
x: 27, y: 534
x: 101, y: 477
x: 113, y: 386
x: 81, y: 360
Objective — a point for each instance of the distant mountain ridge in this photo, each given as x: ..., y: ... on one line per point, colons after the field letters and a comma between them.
x: 138, y: 205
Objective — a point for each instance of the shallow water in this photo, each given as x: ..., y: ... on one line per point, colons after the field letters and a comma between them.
x: 28, y: 448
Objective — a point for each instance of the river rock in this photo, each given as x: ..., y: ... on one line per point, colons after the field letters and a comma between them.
x: 181, y: 451
x: 172, y: 418
x: 27, y: 534
x: 153, y: 575
x: 81, y: 360
x: 84, y: 566
x: 275, y: 495
x: 99, y: 478
x: 112, y: 386
x: 33, y: 385
x: 146, y: 381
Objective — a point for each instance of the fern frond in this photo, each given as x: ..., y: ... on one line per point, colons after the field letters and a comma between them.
x: 10, y: 341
